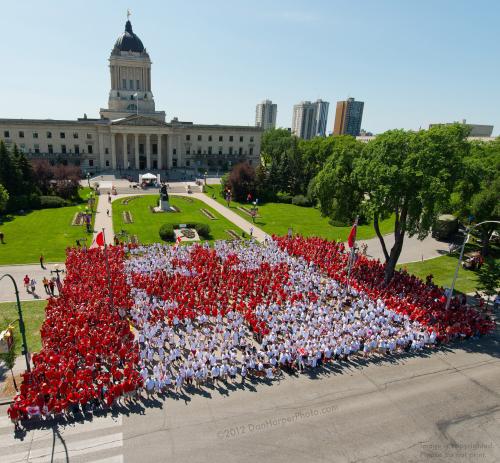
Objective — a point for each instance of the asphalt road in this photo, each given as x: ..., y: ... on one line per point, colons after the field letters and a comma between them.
x: 442, y: 406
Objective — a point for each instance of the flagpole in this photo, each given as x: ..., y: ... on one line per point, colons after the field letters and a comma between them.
x: 110, y: 287
x: 351, y: 257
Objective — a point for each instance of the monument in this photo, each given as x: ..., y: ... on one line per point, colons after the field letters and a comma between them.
x: 164, y: 204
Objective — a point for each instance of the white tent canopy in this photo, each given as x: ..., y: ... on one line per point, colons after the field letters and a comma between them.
x: 148, y: 176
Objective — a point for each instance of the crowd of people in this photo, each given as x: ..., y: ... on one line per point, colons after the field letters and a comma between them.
x: 240, y: 308
x: 406, y: 294
x: 89, y: 357
x: 174, y: 317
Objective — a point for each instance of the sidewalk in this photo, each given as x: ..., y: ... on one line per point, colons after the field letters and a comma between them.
x: 102, y: 221
x: 245, y: 225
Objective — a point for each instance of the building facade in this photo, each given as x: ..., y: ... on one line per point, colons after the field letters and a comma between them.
x: 130, y: 133
x: 310, y: 119
x: 265, y: 115
x: 348, y: 117
x: 475, y: 130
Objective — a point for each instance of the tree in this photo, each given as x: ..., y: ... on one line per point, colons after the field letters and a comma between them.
x: 242, y: 181
x: 489, y: 277
x: 4, y: 198
x: 336, y: 187
x: 274, y: 144
x: 410, y: 175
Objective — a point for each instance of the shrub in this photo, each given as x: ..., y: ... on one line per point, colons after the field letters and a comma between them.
x: 203, y: 230
x: 338, y: 223
x: 284, y: 198
x: 52, y: 202
x: 301, y: 200
x: 444, y: 226
x: 167, y: 232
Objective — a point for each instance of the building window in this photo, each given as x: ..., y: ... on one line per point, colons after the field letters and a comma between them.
x: 231, y: 150
x: 131, y: 82
x: 199, y: 150
x: 188, y: 137
x: 250, y: 161
x: 199, y: 137
x: 251, y: 139
x: 137, y: 84
x: 6, y: 134
x: 230, y: 138
x: 188, y: 163
x: 174, y: 162
x: 209, y: 150
x: 35, y: 135
x: 23, y: 147
x: 75, y: 135
x: 63, y: 149
x: 221, y: 138
x: 107, y: 163
x: 241, y: 139
x: 77, y: 149
x: 220, y: 149
x: 251, y: 151
x: 174, y: 151
x: 90, y: 149
x: 240, y: 151
x: 91, y: 163
x: 124, y: 83
x: 50, y: 149
x: 155, y: 148
x: 62, y: 135
x: 49, y: 134
x: 210, y: 138
x: 36, y: 148
x: 21, y: 134
x: 89, y: 136
x: 106, y: 150
x: 188, y: 151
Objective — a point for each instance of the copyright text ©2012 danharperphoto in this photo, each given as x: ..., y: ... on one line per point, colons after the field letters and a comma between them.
x: 231, y: 432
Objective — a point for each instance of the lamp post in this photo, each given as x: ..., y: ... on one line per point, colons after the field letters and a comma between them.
x: 206, y: 173
x: 88, y: 179
x: 466, y: 238
x: 21, y: 321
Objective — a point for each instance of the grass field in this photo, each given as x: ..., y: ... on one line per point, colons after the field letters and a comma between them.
x: 146, y: 224
x: 47, y: 231
x: 276, y: 218
x: 33, y: 315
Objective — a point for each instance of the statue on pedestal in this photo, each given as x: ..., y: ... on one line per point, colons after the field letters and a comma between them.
x: 164, y: 203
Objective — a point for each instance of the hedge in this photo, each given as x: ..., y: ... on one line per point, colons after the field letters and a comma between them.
x: 52, y: 202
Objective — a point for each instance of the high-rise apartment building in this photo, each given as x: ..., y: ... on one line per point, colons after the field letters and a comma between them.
x: 348, y: 116
x: 309, y: 119
x: 265, y: 114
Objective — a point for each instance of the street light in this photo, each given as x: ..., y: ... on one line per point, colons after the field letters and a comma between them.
x: 206, y: 173
x: 88, y: 179
x: 21, y: 321
x: 466, y: 238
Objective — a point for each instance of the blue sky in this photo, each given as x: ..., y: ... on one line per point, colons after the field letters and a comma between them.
x: 411, y: 62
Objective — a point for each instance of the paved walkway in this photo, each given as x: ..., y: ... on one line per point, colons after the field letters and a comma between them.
x: 7, y: 293
x: 103, y: 220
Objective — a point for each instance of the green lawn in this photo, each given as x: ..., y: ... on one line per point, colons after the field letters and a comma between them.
x: 276, y: 218
x: 33, y: 315
x: 47, y: 231
x: 146, y: 224
x: 443, y: 269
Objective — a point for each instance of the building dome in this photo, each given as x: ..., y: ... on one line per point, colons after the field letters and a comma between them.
x: 128, y: 41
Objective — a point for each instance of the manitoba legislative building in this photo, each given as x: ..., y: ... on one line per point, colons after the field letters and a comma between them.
x: 130, y: 133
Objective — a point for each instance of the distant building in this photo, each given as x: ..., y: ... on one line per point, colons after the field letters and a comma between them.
x: 348, y: 116
x: 265, y: 115
x: 309, y: 119
x: 476, y: 130
x: 365, y: 133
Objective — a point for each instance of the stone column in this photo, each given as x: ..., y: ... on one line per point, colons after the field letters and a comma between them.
x: 160, y: 157
x: 148, y: 151
x: 125, y: 153
x: 136, y: 150
x: 113, y: 151
x: 100, y: 139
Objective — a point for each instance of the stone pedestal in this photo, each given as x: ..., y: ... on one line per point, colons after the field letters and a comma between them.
x: 164, y: 206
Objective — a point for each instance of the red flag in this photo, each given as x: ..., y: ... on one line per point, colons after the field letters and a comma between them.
x: 99, y: 239
x: 352, y: 235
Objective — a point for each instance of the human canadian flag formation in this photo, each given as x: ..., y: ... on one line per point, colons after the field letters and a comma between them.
x: 204, y: 314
